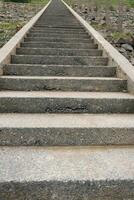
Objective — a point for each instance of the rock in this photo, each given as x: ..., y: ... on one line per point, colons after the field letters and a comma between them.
x: 102, y: 22
x: 122, y: 50
x: 127, y: 47
x: 2, y: 16
x: 131, y: 42
x: 1, y: 31
x: 85, y: 11
x: 93, y: 18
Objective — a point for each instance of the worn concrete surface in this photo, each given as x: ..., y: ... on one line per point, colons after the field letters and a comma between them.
x: 90, y: 163
x: 66, y: 102
x: 53, y: 173
x: 38, y: 83
x: 59, y: 70
x: 66, y: 129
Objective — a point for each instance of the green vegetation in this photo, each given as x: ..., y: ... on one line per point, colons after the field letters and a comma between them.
x: 10, y: 25
x: 18, y: 1
x: 28, y: 1
x: 117, y: 35
x: 102, y: 2
x: 15, y: 15
x: 39, y: 1
x: 8, y: 29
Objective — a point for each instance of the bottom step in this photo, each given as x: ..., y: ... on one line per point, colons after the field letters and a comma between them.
x: 98, y: 173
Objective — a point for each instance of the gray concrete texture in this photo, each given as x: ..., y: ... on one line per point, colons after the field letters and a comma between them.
x: 66, y: 173
x: 66, y: 119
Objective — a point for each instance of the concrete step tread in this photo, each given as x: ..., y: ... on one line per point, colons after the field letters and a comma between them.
x: 61, y: 78
x: 61, y: 83
x: 59, y: 59
x: 65, y: 40
x: 17, y: 120
x: 59, y: 70
x: 60, y: 32
x: 54, y: 30
x: 73, y: 27
x: 59, y: 49
x: 58, y: 38
x: 51, y: 42
x: 69, y: 95
x: 34, y: 164
x: 59, y: 35
x: 49, y: 65
x: 60, y: 44
x: 59, y: 56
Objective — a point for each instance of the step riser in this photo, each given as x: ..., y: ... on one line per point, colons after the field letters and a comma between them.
x: 57, y: 20
x: 65, y: 105
x: 54, y: 20
x: 63, y: 31
x: 64, y: 85
x: 59, y: 71
x: 84, y: 36
x: 71, y: 27
x: 61, y: 52
x: 59, y: 60
x: 66, y: 136
x: 69, y: 40
x: 60, y: 24
x: 59, y: 45
x: 68, y: 190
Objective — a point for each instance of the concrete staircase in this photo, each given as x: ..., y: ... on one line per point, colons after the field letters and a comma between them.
x: 67, y: 120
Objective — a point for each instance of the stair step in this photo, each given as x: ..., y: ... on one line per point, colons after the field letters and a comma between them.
x: 50, y: 39
x: 66, y: 129
x: 61, y: 60
x: 50, y: 21
x: 38, y: 83
x: 66, y: 102
x: 71, y: 27
x: 61, y: 52
x: 59, y: 70
x: 59, y: 35
x: 62, y: 24
x: 62, y: 83
x: 66, y: 173
x: 59, y: 45
x: 58, y: 31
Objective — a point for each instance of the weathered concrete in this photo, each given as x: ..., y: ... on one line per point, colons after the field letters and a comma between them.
x: 59, y: 45
x: 56, y: 30
x: 61, y: 52
x: 53, y: 39
x: 47, y: 173
x: 59, y: 60
x: 59, y: 70
x: 97, y: 84
x: 66, y: 102
x: 66, y: 129
x: 114, y: 56
x: 58, y: 35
